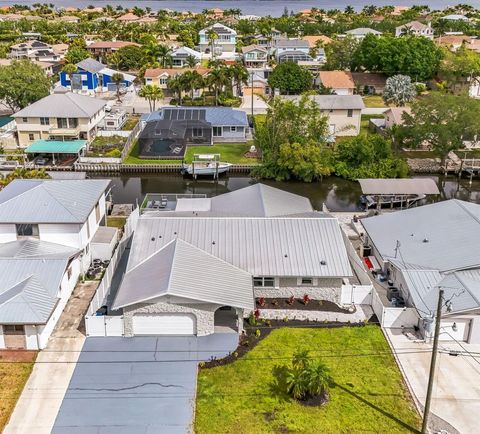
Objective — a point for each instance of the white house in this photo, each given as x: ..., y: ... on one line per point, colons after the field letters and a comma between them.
x: 180, y: 57
x: 361, y: 32
x: 224, y: 44
x: 415, y: 28
x: 46, y: 229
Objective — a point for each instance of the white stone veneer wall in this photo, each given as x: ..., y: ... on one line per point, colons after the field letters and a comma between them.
x: 315, y: 293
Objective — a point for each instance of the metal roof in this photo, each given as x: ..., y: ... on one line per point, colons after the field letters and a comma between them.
x: 33, y: 248
x: 291, y: 43
x: 183, y: 270
x: 50, y: 201
x: 399, y: 186
x: 90, y: 65
x: 334, y: 102
x: 273, y: 246
x: 362, y: 31
x: 61, y: 104
x: 217, y: 116
x: 443, y: 236
x: 56, y: 146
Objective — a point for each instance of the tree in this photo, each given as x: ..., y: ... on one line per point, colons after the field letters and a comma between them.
x: 69, y: 69
x: 191, y: 61
x: 175, y: 86
x: 340, y: 53
x: 442, y: 121
x: 399, y: 90
x: 239, y: 75
x: 368, y: 156
x: 217, y: 79
x: 191, y: 80
x: 152, y: 94
x: 164, y: 55
x: 77, y: 51
x: 118, y: 78
x: 212, y: 36
x: 459, y: 68
x: 130, y: 57
x: 22, y: 173
x: 22, y: 83
x: 290, y: 78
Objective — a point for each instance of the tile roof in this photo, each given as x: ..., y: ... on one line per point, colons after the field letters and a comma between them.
x: 337, y: 79
x: 313, y: 39
x: 112, y: 44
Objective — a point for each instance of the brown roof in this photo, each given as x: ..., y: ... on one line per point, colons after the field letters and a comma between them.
x: 337, y: 79
x: 157, y: 72
x: 253, y: 47
x: 313, y: 39
x: 128, y: 17
x: 112, y: 44
x: 396, y: 114
x: 369, y: 79
x: 453, y: 39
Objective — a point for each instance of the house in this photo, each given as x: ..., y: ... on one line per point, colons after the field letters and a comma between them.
x: 224, y: 46
x: 93, y: 76
x: 46, y: 230
x: 339, y: 82
x: 455, y: 17
x: 160, y: 76
x: 192, y: 268
x: 69, y: 19
x: 257, y: 84
x: 316, y: 40
x: 369, y: 83
x: 100, y: 49
x: 63, y: 115
x: 127, y: 18
x: 255, y: 56
x: 168, y: 131
x: 415, y: 28
x: 268, y: 41
x: 454, y: 42
x: 48, y: 68
x: 426, y: 248
x: 181, y: 55
x: 361, y: 32
x: 34, y: 50
x: 394, y: 116
x: 292, y: 50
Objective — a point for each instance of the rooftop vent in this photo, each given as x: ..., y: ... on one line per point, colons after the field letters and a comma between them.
x: 323, y: 262
x: 425, y: 240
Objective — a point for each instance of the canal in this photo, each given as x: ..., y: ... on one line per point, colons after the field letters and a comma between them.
x: 337, y: 194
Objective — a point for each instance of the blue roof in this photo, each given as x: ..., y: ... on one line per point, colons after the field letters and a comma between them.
x: 4, y: 120
x: 217, y: 116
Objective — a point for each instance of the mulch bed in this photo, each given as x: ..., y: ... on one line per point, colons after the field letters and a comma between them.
x: 316, y: 305
x: 316, y: 401
x: 26, y: 356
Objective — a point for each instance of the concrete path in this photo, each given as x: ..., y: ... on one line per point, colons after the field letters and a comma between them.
x: 42, y: 396
x: 456, y: 391
x: 259, y: 105
x: 373, y: 110
x: 137, y: 385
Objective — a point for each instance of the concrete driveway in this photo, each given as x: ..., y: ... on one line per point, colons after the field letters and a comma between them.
x: 137, y: 385
x: 456, y: 391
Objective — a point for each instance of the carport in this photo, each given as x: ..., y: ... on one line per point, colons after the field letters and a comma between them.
x: 57, y: 148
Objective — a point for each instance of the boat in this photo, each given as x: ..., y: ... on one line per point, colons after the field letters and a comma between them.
x: 206, y: 164
x: 390, y: 201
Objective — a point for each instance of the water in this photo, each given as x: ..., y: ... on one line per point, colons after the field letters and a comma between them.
x: 337, y: 194
x: 248, y: 7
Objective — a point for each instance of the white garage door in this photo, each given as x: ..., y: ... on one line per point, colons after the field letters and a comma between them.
x: 163, y: 325
x: 448, y: 334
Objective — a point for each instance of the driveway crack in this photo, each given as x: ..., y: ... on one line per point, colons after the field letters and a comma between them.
x: 121, y: 389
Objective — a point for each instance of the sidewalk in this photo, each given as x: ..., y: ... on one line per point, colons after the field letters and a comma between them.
x: 42, y: 396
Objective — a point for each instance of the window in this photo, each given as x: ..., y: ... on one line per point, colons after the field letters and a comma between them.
x: 308, y: 281
x: 72, y: 122
x: 264, y: 282
x: 197, y: 132
x: 163, y: 80
x: 69, y: 273
x: 44, y: 121
x: 233, y: 129
x: 13, y: 329
x: 31, y: 136
x: 97, y: 212
x: 25, y: 120
x: 217, y: 131
x: 349, y: 113
x: 62, y: 123
x: 27, y: 230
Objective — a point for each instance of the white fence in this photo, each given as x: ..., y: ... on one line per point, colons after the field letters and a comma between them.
x: 377, y: 306
x: 104, y: 325
x: 112, y: 133
x: 398, y: 317
x: 356, y: 294
x: 99, y: 160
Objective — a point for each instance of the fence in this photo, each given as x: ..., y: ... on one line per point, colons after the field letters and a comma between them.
x: 131, y: 139
x: 356, y: 294
x: 377, y: 306
x: 104, y: 325
x: 113, y: 133
x: 99, y: 160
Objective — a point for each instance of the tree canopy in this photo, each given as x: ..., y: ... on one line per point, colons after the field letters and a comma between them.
x: 340, y: 53
x: 290, y: 78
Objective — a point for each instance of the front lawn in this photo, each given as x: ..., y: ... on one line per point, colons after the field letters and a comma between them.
x: 15, y: 368
x: 374, y: 101
x: 368, y: 396
x: 231, y: 153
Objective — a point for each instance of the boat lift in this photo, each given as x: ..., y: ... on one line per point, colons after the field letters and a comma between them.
x: 205, y: 164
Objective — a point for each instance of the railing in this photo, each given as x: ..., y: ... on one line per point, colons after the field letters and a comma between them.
x: 169, y: 197
x: 471, y: 163
x: 113, y: 133
x: 131, y: 139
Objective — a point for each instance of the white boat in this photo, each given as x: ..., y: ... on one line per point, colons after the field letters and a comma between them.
x: 206, y: 164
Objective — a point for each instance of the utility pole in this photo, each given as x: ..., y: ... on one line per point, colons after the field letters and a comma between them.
x: 433, y: 361
x: 252, y: 93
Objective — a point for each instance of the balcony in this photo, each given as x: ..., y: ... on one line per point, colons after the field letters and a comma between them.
x: 68, y: 132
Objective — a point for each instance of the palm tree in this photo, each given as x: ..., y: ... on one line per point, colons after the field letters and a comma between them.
x: 212, y: 36
x: 349, y: 10
x: 175, y: 86
x: 239, y: 76
x: 152, y: 51
x: 118, y: 78
x: 152, y: 93
x: 192, y: 81
x: 69, y: 69
x: 164, y: 55
x: 217, y: 78
x: 191, y: 61
x: 114, y: 59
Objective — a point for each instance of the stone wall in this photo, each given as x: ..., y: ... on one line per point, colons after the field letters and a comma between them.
x: 204, y: 315
x: 315, y: 293
x: 322, y: 282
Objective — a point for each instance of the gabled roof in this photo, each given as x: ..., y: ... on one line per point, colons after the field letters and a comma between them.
x: 63, y: 104
x: 219, y: 28
x: 90, y: 65
x: 414, y: 25
x: 49, y: 201
x: 361, y: 31
x: 291, y: 43
x: 334, y: 102
x: 35, y: 249
x: 253, y: 47
x: 185, y: 52
x: 337, y: 79
x: 313, y: 39
x: 172, y: 72
x: 183, y: 270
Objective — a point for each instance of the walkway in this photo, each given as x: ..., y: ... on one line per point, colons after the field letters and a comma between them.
x: 137, y: 385
x: 42, y: 396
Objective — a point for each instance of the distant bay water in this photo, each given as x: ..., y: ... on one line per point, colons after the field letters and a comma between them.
x: 248, y: 7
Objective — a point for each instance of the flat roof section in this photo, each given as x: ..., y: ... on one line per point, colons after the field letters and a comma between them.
x: 398, y: 186
x: 56, y: 147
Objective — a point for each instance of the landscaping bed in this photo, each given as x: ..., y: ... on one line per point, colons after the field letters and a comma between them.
x: 110, y: 147
x: 131, y: 123
x: 368, y: 393
x: 298, y: 304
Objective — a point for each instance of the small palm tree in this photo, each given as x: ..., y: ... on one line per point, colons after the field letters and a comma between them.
x: 69, y: 69
x: 118, y: 78
x: 152, y: 94
x: 191, y: 61
x: 164, y: 55
x: 175, y: 86
x: 212, y: 36
x: 217, y: 79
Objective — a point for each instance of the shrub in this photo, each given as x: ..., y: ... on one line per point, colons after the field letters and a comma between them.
x: 252, y: 320
x: 420, y: 87
x: 114, y: 153
x: 291, y: 300
x: 258, y: 333
x: 261, y: 301
x: 306, y: 299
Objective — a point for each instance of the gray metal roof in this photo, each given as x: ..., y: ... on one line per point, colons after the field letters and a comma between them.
x: 443, y: 236
x: 182, y: 270
x: 280, y: 246
x: 260, y: 200
x: 49, y: 201
x: 90, y: 65
x: 291, y: 43
x: 63, y: 105
x: 362, y: 31
x: 35, y: 249
x: 334, y: 102
x: 399, y: 186
x: 217, y: 116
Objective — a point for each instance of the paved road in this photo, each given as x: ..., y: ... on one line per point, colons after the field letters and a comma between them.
x: 137, y: 385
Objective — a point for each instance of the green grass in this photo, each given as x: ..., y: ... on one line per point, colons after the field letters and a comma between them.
x: 106, y: 146
x: 133, y: 158
x: 116, y: 222
x: 368, y: 396
x: 373, y: 101
x: 132, y: 120
x: 231, y: 153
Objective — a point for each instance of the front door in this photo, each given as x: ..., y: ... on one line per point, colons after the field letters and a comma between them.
x: 14, y: 336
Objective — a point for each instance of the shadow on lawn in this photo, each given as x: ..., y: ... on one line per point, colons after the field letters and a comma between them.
x: 380, y: 410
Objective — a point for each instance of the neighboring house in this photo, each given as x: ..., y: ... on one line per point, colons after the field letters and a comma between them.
x: 34, y: 50
x: 255, y: 56
x: 316, y: 40
x: 160, y: 76
x: 194, y: 268
x: 394, y: 116
x: 224, y: 45
x: 361, y: 32
x: 455, y: 17
x: 268, y: 41
x: 292, y: 50
x: 63, y: 115
x: 68, y: 19
x: 369, y: 83
x: 101, y: 49
x: 415, y: 28
x: 454, y: 42
x: 168, y: 131
x: 46, y: 230
x: 427, y: 248
x: 60, y: 49
x: 339, y: 82
x: 180, y: 56
x: 93, y: 76
x: 257, y: 84
x: 49, y: 68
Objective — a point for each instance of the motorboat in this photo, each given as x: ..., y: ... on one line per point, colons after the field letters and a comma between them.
x: 390, y: 201
x: 206, y: 164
